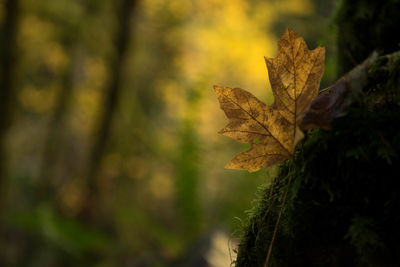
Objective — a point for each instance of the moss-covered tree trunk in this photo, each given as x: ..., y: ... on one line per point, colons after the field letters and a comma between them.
x: 343, y: 207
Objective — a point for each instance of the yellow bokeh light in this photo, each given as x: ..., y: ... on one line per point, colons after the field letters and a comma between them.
x: 161, y: 185
x: 85, y: 110
x: 135, y: 167
x: 55, y: 56
x: 37, y: 100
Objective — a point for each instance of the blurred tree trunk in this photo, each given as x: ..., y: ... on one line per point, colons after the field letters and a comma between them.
x: 110, y: 99
x: 8, y: 55
x: 56, y: 126
x: 71, y: 41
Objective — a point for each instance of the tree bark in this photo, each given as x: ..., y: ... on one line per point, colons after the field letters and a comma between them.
x: 8, y: 58
x: 111, y: 95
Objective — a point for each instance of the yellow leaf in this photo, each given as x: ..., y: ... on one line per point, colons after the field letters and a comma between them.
x: 272, y: 130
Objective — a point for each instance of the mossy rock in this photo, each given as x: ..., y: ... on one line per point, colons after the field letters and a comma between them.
x: 343, y: 206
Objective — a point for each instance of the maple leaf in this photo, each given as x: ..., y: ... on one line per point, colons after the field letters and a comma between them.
x: 272, y: 130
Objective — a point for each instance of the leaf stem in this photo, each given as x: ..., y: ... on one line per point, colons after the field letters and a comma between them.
x: 279, y: 217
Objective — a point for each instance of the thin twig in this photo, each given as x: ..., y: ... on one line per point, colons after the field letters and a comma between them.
x: 279, y: 219
x: 325, y: 89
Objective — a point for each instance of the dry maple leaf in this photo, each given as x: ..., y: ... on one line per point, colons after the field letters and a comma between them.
x: 272, y: 130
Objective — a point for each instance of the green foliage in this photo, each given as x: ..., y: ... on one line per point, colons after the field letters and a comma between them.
x: 187, y: 180
x: 157, y: 182
x: 66, y: 237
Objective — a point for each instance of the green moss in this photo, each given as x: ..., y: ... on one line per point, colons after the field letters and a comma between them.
x: 343, y: 204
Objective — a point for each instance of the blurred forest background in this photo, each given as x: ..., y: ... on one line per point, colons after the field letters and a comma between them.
x: 109, y: 152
